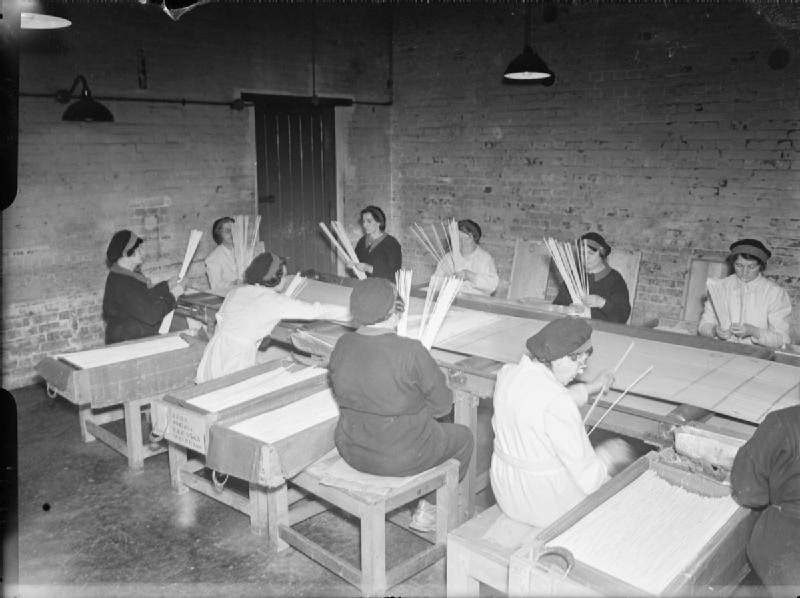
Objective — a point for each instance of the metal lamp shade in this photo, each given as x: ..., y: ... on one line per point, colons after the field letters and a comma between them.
x: 527, y: 67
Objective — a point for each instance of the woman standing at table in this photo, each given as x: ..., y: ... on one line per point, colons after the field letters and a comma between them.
x: 475, y: 266
x: 379, y: 254
x: 608, y: 295
x: 762, y: 306
x: 220, y: 263
x: 133, y: 307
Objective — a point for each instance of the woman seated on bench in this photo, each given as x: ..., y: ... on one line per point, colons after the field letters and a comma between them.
x: 543, y: 463
x: 389, y: 391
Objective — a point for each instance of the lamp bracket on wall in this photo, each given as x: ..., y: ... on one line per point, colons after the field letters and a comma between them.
x: 175, y: 9
x: 85, y: 109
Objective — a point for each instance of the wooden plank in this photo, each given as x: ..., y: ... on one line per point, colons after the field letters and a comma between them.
x: 226, y: 496
x: 109, y: 438
x: 320, y: 555
x: 530, y: 270
x: 373, y: 549
x: 414, y: 565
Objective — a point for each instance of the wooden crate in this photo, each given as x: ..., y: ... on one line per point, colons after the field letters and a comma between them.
x: 122, y: 390
x: 542, y: 568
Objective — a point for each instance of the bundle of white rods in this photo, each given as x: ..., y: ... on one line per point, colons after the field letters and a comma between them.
x: 294, y: 288
x: 245, y: 238
x: 570, y: 260
x: 442, y: 290
x: 403, y: 280
x: 194, y: 240
x: 342, y: 245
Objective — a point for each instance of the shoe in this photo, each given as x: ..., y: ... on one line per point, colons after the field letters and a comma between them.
x: 424, y: 518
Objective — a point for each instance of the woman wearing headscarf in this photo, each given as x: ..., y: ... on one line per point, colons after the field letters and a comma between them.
x: 250, y: 312
x: 133, y: 307
x: 475, y: 265
x: 608, y: 296
x: 543, y: 463
x: 762, y: 306
x: 379, y: 254
x: 220, y: 263
x: 766, y: 476
x: 390, y: 392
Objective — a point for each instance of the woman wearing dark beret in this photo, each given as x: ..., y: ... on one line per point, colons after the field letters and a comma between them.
x: 133, y: 307
x: 390, y: 392
x: 608, y: 295
x: 758, y: 307
x: 379, y: 254
x: 543, y: 463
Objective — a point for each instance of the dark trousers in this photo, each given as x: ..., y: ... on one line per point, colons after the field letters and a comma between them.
x: 459, y: 445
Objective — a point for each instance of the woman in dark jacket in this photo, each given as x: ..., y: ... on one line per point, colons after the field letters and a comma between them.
x: 379, y: 254
x: 132, y: 306
x: 766, y: 476
x: 608, y: 295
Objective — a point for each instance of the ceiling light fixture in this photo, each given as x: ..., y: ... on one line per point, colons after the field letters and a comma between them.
x: 528, y: 67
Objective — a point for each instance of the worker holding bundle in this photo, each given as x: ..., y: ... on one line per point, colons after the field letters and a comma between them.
x: 755, y: 309
x: 766, y: 476
x: 250, y: 312
x: 379, y: 253
x: 473, y: 263
x: 390, y: 392
x: 543, y: 463
x: 133, y: 306
x: 220, y: 263
x: 607, y: 295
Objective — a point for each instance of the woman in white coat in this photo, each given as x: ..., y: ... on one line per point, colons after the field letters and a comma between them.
x: 543, y: 463
x: 250, y: 312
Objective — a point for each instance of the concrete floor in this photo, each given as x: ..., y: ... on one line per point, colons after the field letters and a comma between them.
x: 90, y: 527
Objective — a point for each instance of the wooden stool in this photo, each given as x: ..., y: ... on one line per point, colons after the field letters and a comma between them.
x: 370, y: 502
x: 480, y: 551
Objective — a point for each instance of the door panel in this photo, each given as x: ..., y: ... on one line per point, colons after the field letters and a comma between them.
x: 296, y: 180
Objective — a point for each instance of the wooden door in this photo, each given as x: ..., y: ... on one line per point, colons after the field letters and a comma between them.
x: 296, y: 179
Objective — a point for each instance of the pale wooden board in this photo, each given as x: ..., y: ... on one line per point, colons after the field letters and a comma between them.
x: 93, y: 358
x: 252, y: 387
x: 323, y: 292
x: 286, y: 421
x: 735, y: 385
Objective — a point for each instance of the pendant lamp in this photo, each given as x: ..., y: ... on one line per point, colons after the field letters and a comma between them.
x: 528, y: 67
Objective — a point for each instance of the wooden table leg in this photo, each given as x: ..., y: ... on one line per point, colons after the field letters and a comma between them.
x: 373, y: 550
x: 277, y: 515
x: 177, y: 458
x: 259, y: 509
x: 459, y: 582
x: 466, y: 413
x: 84, y: 415
x: 133, y: 434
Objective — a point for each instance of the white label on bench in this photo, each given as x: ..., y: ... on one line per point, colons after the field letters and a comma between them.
x: 187, y: 429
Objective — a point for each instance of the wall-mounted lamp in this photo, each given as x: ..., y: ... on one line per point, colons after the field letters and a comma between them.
x: 528, y: 68
x: 35, y: 20
x: 85, y: 109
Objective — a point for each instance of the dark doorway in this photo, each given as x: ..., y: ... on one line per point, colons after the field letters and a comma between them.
x: 296, y: 177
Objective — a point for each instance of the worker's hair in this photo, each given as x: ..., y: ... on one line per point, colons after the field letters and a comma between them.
x: 216, y: 228
x: 377, y: 214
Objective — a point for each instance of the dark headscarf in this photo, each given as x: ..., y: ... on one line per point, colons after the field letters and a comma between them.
x: 124, y: 242
x: 471, y: 228
x: 559, y: 338
x: 750, y: 247
x: 597, y: 241
x: 264, y: 267
x: 371, y: 301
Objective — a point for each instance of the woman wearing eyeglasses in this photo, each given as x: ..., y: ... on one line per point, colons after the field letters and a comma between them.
x: 759, y: 308
x: 608, y: 295
x: 250, y: 312
x: 543, y: 463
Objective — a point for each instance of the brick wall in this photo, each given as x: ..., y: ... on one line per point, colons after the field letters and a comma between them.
x: 162, y: 169
x: 665, y: 130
